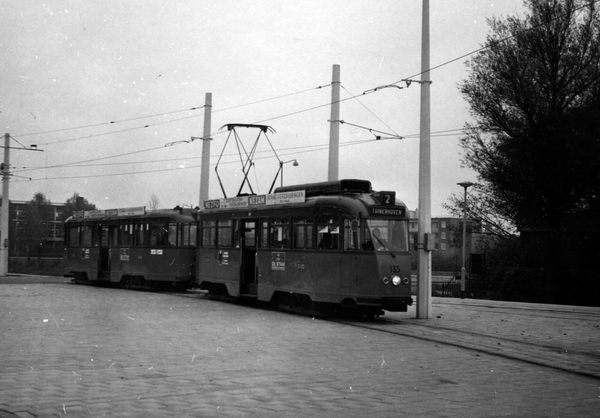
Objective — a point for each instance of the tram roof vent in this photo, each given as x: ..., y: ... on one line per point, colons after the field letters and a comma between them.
x: 330, y: 187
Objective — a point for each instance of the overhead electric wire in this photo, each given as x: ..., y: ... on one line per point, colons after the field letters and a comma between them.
x: 488, y: 45
x: 307, y: 148
x: 110, y: 122
x: 92, y: 159
x: 156, y: 115
x: 370, y: 111
x: 316, y: 148
x: 293, y: 151
x: 120, y: 131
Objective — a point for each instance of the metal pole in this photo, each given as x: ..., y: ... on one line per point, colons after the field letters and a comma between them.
x: 463, y: 271
x: 424, y: 260
x: 334, y: 127
x: 4, y: 225
x: 205, y: 172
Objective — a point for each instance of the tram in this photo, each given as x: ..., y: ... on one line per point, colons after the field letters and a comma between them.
x: 132, y: 248
x: 311, y: 247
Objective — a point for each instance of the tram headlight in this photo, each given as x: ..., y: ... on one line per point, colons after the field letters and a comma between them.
x: 396, y: 280
x: 386, y: 280
x: 406, y: 280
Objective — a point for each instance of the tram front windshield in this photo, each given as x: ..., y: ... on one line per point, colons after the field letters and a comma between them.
x: 388, y: 234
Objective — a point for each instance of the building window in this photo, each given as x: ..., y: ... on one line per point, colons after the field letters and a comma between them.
x: 443, y: 224
x: 443, y: 246
x: 444, y: 235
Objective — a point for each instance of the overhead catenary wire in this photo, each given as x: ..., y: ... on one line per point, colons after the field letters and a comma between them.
x: 159, y: 114
x: 94, y: 125
x: 404, y: 80
x: 488, y: 45
x: 294, y: 150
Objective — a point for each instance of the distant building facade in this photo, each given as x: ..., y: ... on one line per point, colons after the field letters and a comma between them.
x: 20, y: 244
x: 447, y: 232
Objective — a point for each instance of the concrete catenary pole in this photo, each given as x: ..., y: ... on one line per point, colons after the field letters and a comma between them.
x: 424, y: 259
x: 334, y: 127
x: 205, y: 170
x: 5, y: 209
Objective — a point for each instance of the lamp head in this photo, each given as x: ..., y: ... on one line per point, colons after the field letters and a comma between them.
x: 466, y: 184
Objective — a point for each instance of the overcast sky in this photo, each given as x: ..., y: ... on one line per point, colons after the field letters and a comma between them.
x: 102, y: 86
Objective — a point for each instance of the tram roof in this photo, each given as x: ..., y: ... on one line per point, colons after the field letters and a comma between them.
x: 178, y: 214
x: 353, y: 195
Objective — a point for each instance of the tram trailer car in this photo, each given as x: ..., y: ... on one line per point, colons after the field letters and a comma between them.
x: 309, y: 247
x: 132, y: 248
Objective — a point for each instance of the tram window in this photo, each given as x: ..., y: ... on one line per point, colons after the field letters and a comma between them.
x: 387, y: 235
x: 173, y: 240
x: 104, y: 239
x: 264, y: 242
x: 249, y: 234
x: 303, y: 233
x: 74, y: 236
x: 209, y: 230
x: 187, y: 235
x: 86, y: 236
x: 351, y: 234
x: 193, y: 234
x: 236, y: 233
x: 183, y: 235
x: 114, y: 236
x: 280, y: 233
x: 141, y: 235
x: 125, y: 235
x: 158, y: 234
x: 328, y: 229
x: 224, y: 231
x: 95, y: 235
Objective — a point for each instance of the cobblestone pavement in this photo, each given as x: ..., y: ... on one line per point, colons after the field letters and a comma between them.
x: 79, y: 351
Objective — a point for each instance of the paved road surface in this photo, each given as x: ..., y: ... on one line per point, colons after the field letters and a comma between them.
x: 80, y: 351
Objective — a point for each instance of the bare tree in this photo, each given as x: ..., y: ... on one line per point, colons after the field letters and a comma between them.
x: 534, y: 93
x: 153, y: 203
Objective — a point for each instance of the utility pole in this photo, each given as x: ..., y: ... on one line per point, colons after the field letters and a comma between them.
x: 5, y: 208
x: 4, y: 216
x: 205, y: 170
x: 424, y: 260
x: 465, y: 185
x: 334, y: 127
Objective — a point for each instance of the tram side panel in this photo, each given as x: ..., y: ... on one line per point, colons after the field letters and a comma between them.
x: 219, y: 270
x: 152, y: 264
x: 310, y: 273
x: 82, y: 263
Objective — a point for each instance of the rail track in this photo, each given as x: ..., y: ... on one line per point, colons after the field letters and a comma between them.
x: 519, y: 344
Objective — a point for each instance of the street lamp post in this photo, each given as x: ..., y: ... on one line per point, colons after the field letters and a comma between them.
x: 465, y: 185
x: 281, y: 163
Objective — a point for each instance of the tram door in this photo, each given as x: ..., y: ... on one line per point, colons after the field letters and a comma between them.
x: 104, y: 261
x: 107, y: 234
x: 248, y: 283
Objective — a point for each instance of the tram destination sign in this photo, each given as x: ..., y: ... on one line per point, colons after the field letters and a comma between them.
x: 93, y: 214
x: 387, y: 211
x: 282, y: 198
